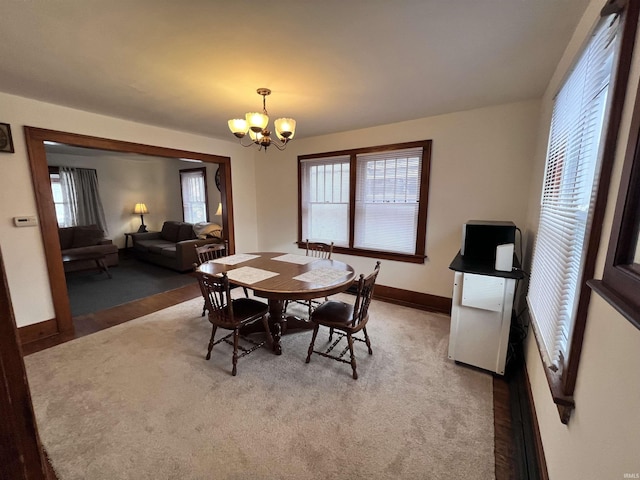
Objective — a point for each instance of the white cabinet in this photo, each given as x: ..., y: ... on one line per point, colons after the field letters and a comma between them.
x: 481, y: 320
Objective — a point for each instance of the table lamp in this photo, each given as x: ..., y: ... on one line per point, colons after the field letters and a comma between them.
x: 141, y: 209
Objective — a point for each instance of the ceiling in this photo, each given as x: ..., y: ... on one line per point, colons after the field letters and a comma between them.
x: 333, y: 65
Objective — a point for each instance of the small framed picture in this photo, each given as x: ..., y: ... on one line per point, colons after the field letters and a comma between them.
x: 6, y: 142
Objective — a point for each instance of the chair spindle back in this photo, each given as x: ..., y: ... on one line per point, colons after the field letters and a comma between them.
x: 364, y: 296
x: 211, y: 251
x: 217, y: 298
x: 319, y: 249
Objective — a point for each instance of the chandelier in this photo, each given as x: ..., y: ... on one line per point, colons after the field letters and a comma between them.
x: 256, y: 124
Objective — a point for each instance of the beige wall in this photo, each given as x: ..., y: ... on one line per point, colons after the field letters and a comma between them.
x: 480, y: 160
x: 22, y: 247
x: 602, y: 439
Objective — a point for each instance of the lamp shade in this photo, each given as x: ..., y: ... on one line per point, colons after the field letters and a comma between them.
x: 238, y: 127
x: 285, y: 128
x: 140, y: 209
x: 219, y: 210
x: 257, y: 121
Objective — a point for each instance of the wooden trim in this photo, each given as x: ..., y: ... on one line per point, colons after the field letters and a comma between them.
x: 38, y: 331
x: 35, y: 138
x: 539, y: 447
x: 407, y: 298
x: 421, y: 228
x: 21, y: 454
x: 630, y: 23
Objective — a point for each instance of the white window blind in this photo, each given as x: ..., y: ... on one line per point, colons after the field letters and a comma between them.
x: 325, y: 200
x: 387, y: 200
x: 194, y: 196
x: 568, y: 194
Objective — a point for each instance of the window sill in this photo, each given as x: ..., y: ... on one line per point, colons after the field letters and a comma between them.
x: 624, y: 307
x: 398, y: 257
x: 564, y: 403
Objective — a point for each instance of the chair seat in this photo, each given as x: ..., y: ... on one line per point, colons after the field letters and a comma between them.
x: 245, y: 308
x: 333, y: 312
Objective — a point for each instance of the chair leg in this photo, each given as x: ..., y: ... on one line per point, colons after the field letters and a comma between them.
x: 213, y: 334
x: 236, y: 334
x: 353, y: 358
x: 204, y: 308
x: 313, y: 341
x: 310, y: 305
x: 330, y: 333
x: 367, y: 341
x: 246, y: 292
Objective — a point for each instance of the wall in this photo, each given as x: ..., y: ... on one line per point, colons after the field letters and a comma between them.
x: 602, y: 438
x: 480, y: 160
x: 22, y: 248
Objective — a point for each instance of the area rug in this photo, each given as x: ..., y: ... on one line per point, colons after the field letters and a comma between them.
x: 92, y: 291
x: 139, y: 401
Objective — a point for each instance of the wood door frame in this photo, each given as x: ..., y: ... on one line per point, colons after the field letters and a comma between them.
x: 35, y: 138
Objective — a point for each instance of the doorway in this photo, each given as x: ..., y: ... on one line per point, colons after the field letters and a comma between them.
x: 35, y: 139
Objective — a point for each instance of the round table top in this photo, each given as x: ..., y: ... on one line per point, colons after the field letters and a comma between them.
x: 284, y: 286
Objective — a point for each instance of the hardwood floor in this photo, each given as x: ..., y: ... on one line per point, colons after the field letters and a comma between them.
x: 505, y: 451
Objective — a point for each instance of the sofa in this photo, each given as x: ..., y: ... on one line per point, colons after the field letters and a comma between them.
x: 86, y: 238
x: 175, y: 245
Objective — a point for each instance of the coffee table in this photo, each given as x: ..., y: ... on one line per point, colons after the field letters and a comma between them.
x: 84, y: 256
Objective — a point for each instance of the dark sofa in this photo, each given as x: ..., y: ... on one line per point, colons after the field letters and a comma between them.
x: 86, y: 238
x: 174, y: 247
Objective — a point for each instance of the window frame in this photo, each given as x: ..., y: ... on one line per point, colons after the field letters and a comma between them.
x: 421, y: 229
x: 620, y: 283
x: 203, y: 170
x: 562, y: 384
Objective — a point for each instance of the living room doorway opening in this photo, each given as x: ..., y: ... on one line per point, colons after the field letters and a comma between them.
x: 38, y: 141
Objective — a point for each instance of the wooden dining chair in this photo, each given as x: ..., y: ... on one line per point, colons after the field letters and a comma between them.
x: 347, y: 319
x: 318, y: 250
x: 230, y: 314
x: 213, y: 251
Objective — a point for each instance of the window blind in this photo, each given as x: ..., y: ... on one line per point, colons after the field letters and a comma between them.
x: 325, y: 200
x: 388, y: 200
x: 568, y: 194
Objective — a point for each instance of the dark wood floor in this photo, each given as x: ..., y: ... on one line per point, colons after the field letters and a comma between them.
x: 505, y: 451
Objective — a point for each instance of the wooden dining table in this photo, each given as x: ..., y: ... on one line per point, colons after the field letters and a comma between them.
x: 279, y: 277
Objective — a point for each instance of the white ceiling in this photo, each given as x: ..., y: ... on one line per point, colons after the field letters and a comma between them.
x: 333, y: 65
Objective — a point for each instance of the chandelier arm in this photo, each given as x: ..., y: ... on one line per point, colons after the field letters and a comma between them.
x: 251, y: 142
x: 278, y: 145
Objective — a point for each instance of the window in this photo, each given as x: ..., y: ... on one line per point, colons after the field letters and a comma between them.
x: 76, y: 197
x: 620, y: 284
x: 369, y: 201
x: 193, y: 183
x: 62, y: 207
x: 582, y: 140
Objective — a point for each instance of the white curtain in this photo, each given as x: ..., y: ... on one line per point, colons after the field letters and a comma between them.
x: 81, y: 197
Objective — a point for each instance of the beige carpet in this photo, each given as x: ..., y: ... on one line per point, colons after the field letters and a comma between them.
x: 139, y: 401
